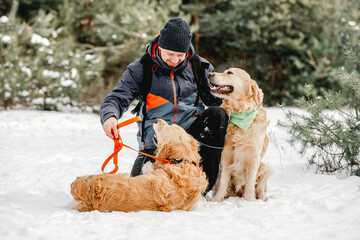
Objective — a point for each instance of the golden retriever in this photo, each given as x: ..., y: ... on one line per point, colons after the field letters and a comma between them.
x: 168, y: 187
x: 241, y: 171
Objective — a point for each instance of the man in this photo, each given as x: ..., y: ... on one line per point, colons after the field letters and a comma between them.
x: 173, y: 96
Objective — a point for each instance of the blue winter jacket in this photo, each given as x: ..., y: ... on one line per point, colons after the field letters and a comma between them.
x: 172, y: 95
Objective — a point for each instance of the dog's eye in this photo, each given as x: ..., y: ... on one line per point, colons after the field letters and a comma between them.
x: 230, y: 72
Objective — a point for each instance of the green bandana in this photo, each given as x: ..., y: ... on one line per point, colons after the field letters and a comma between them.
x: 244, y: 120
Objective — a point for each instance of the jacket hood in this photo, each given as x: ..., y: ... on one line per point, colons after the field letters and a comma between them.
x: 153, y: 51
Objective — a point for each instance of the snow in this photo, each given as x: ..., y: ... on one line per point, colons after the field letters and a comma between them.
x: 89, y: 57
x: 4, y: 19
x: 37, y: 39
x: 352, y: 23
x: 26, y: 70
x: 67, y: 83
x: 24, y: 93
x: 56, y: 33
x: 6, y: 39
x: 50, y: 73
x: 7, y: 95
x: 41, y: 153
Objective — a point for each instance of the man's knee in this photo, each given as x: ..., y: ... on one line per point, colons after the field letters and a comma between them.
x: 218, y: 114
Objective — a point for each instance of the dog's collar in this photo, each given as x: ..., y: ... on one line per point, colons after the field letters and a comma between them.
x: 177, y: 161
x: 244, y: 120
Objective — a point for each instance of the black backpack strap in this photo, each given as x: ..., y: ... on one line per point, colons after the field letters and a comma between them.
x: 145, y: 89
x: 147, y: 80
x: 198, y: 68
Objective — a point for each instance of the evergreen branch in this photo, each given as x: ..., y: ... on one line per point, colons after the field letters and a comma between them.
x: 93, y: 49
x: 123, y: 30
x: 49, y: 9
x: 323, y: 148
x: 343, y: 112
x: 356, y: 108
x: 327, y: 127
x: 312, y: 59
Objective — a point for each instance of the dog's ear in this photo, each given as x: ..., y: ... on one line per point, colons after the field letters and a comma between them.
x: 194, y: 156
x: 161, y: 151
x: 174, y: 151
x: 195, y: 145
x: 255, y: 91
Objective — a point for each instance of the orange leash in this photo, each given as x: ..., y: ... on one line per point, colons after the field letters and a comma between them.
x: 119, y: 145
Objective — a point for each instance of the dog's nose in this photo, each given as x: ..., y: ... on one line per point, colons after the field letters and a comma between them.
x: 210, y: 74
x: 156, y: 120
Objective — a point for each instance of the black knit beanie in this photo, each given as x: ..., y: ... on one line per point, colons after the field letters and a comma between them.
x: 175, y: 36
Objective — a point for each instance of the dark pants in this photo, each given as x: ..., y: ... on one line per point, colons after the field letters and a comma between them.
x: 209, y: 129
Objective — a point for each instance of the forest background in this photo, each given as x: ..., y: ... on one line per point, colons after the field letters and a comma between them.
x: 67, y: 55
x: 57, y: 54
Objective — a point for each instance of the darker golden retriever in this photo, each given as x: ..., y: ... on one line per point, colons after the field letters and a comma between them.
x: 242, y: 172
x: 167, y: 187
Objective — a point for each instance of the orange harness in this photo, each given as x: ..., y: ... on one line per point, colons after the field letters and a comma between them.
x: 119, y: 145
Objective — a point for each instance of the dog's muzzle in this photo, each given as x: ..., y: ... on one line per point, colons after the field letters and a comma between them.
x: 223, y: 89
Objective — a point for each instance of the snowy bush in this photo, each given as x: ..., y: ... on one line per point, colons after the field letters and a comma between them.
x: 39, y: 62
x: 77, y: 50
x: 333, y: 139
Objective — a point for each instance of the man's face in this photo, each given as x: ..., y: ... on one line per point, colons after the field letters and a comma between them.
x: 171, y: 58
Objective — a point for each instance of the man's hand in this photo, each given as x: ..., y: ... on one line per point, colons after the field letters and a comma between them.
x: 260, y: 96
x: 110, y: 128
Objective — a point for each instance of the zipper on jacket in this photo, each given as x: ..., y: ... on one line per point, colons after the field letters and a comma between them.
x: 174, y: 89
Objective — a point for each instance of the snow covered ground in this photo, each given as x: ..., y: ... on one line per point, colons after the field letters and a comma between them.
x: 41, y: 153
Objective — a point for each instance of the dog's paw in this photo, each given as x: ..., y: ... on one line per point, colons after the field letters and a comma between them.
x: 217, y: 198
x: 260, y: 195
x: 147, y: 167
x: 249, y: 197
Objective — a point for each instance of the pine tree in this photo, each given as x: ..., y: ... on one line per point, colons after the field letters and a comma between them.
x: 63, y: 53
x: 283, y: 44
x: 120, y: 29
x: 332, y: 137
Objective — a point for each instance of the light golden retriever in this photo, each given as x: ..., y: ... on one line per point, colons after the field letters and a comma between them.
x: 168, y: 187
x: 241, y: 171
